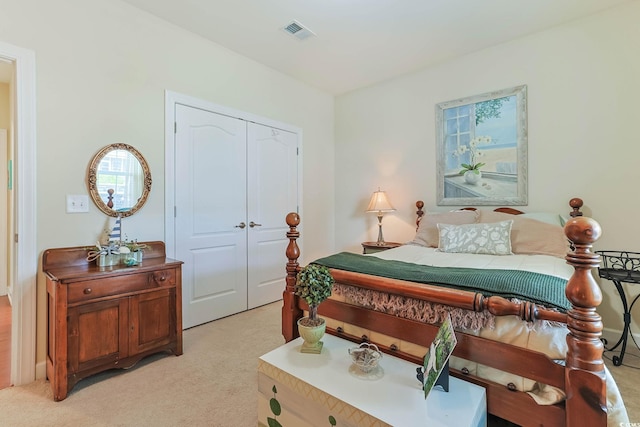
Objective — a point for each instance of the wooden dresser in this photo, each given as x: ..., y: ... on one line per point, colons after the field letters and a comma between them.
x: 102, y: 318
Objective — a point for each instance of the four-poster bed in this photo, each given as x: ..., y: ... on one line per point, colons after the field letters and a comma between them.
x: 580, y: 377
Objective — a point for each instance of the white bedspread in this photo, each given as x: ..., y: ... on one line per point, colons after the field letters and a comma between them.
x: 544, y: 264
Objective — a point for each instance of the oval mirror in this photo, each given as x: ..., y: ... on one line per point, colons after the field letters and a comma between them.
x: 119, y: 180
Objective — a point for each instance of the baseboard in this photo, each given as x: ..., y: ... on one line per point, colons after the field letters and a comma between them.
x: 613, y: 335
x: 41, y: 370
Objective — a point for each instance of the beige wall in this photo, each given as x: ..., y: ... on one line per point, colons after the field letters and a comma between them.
x: 583, y: 91
x: 102, y: 70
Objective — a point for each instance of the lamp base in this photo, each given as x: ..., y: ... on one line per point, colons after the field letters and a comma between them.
x: 380, y: 241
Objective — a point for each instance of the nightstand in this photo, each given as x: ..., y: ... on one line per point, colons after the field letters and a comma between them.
x: 373, y: 247
x: 621, y: 267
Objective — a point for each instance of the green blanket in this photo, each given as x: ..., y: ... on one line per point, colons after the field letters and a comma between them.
x: 542, y: 289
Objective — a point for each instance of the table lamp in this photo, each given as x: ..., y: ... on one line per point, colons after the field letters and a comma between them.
x: 379, y: 204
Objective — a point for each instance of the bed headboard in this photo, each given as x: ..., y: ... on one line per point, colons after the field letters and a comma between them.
x: 576, y: 203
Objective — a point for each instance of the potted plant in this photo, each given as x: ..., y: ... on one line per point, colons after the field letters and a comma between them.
x: 135, y: 249
x: 313, y: 284
x: 471, y: 171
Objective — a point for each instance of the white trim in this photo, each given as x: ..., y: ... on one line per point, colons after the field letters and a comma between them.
x: 23, y: 318
x: 170, y: 102
x: 173, y: 98
x: 4, y: 216
x: 612, y: 336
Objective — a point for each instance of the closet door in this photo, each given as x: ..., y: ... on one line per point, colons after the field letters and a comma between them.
x: 210, y: 197
x: 272, y: 192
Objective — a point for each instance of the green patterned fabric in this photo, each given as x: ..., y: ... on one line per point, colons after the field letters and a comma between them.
x: 542, y: 289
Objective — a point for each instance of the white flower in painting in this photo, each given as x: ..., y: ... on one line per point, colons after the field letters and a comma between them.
x: 461, y: 150
x: 474, y: 165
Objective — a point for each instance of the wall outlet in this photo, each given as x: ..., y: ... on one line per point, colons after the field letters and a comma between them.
x: 77, y: 203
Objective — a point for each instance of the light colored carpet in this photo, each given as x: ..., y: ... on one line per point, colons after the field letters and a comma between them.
x: 627, y: 378
x: 214, y: 383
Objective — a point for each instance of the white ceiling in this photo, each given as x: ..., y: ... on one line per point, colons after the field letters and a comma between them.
x: 363, y: 42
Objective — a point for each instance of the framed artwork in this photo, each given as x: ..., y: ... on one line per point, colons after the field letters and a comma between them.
x: 481, y: 148
x: 439, y: 352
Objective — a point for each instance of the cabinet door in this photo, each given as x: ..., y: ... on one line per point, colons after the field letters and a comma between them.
x: 97, y: 335
x: 152, y: 318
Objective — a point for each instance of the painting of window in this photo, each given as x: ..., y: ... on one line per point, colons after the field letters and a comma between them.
x: 481, y: 145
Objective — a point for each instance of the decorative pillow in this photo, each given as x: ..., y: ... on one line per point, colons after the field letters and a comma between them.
x: 549, y: 218
x: 427, y: 234
x: 487, y: 238
x: 531, y: 237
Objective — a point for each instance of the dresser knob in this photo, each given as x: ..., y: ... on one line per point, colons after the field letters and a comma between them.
x: 87, y: 291
x: 160, y: 277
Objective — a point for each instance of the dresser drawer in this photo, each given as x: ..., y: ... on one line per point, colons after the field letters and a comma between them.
x: 92, y: 289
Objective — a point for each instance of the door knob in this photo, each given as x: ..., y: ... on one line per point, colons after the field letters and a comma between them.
x: 241, y: 225
x: 253, y: 224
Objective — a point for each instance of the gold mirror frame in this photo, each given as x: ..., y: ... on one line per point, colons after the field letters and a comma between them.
x: 92, y: 180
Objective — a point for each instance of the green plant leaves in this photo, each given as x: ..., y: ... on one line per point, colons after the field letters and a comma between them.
x: 314, y: 284
x: 275, y: 407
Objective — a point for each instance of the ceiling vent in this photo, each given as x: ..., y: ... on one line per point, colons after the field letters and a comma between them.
x: 298, y: 30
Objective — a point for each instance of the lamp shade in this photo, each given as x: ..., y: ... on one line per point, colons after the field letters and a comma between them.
x: 379, y: 203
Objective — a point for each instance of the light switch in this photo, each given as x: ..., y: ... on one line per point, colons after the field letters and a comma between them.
x: 77, y: 203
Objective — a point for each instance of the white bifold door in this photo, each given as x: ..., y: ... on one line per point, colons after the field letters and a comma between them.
x: 235, y: 182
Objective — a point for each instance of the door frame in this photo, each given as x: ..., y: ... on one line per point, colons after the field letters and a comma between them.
x: 24, y: 289
x: 173, y: 98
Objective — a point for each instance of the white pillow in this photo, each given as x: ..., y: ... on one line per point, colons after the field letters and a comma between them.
x: 484, y: 238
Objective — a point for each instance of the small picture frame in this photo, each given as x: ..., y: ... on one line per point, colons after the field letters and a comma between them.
x: 437, y: 359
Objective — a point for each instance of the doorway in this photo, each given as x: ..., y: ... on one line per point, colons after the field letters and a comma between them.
x: 22, y: 258
x: 5, y: 342
x: 6, y: 73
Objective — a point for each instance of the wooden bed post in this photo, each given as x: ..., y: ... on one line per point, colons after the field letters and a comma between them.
x: 584, y: 374
x: 290, y: 310
x: 575, y: 203
x: 419, y: 213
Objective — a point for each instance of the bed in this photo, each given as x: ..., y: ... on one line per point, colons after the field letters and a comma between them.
x: 538, y: 356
